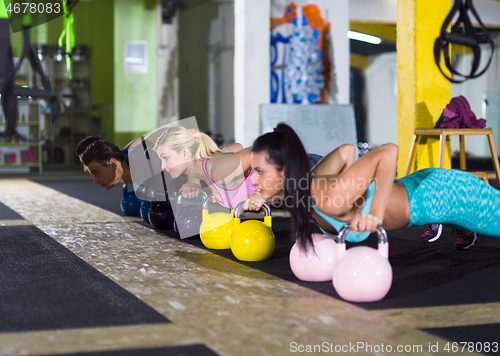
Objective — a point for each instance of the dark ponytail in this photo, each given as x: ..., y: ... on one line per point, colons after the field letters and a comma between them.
x: 102, y: 151
x: 285, y: 150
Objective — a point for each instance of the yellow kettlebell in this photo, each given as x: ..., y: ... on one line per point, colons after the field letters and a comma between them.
x: 215, y: 228
x: 252, y: 240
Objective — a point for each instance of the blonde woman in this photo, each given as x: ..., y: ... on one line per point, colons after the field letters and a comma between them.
x: 227, y: 174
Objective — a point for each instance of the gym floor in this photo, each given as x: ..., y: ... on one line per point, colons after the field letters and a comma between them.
x: 174, y: 297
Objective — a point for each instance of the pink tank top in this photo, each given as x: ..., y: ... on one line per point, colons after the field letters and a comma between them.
x: 230, y: 197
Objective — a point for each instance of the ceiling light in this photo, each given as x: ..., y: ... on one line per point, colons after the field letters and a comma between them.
x: 363, y: 37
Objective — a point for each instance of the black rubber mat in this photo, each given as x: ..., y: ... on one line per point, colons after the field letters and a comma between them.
x: 7, y: 213
x: 424, y: 275
x: 184, y: 350
x: 44, y: 286
x: 483, y: 339
x: 87, y: 191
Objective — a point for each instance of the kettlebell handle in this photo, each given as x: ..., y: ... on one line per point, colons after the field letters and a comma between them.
x: 207, y: 198
x: 145, y: 193
x: 383, y: 241
x: 204, y: 195
x: 239, y: 209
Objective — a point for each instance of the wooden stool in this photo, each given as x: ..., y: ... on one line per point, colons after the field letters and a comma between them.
x: 442, y: 133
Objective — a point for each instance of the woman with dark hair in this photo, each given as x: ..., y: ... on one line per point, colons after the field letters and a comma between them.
x: 366, y: 193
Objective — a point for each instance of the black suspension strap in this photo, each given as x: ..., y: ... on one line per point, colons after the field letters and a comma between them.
x: 7, y: 77
x: 10, y: 92
x: 462, y: 33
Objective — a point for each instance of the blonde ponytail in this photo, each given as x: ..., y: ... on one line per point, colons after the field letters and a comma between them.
x: 207, y: 147
x: 177, y: 138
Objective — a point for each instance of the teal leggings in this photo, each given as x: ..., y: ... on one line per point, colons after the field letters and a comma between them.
x: 453, y: 198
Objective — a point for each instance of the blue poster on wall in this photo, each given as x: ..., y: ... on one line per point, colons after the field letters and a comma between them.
x: 300, y: 60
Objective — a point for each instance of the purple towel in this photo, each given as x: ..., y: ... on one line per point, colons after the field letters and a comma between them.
x: 458, y: 114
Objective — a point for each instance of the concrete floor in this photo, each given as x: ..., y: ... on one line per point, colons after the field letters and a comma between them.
x: 230, y: 308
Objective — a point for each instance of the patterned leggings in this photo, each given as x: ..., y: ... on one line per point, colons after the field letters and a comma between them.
x: 453, y: 198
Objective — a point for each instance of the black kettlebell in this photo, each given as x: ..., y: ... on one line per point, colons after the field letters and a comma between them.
x: 161, y: 215
x: 187, y: 219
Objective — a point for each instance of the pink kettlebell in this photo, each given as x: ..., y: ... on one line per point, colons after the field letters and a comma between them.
x: 362, y: 274
x: 316, y: 264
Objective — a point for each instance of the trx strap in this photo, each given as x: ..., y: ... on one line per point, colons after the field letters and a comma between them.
x: 9, y: 99
x: 69, y: 34
x: 462, y: 33
x: 10, y: 92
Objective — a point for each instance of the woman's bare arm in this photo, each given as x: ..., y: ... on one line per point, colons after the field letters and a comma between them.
x: 232, y: 147
x: 337, y: 196
x: 192, y: 188
x: 336, y: 161
x: 229, y: 167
